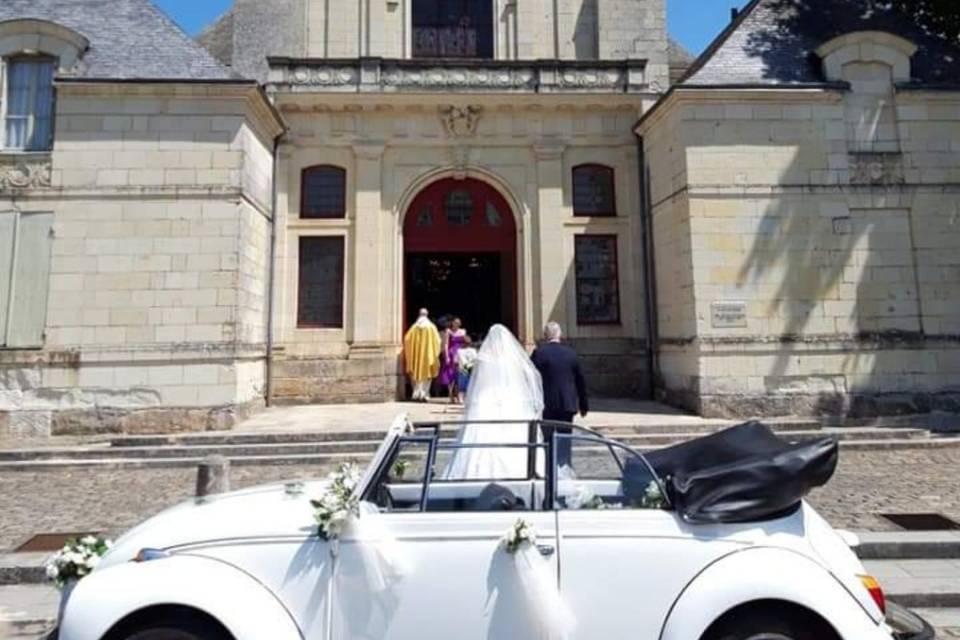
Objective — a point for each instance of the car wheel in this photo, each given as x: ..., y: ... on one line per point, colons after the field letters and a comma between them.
x: 765, y: 625
x: 179, y: 630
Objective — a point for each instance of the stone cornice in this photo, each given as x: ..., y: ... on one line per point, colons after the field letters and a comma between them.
x: 261, y: 114
x: 373, y: 75
x: 720, y: 95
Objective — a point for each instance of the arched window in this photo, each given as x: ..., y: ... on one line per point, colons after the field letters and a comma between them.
x: 593, y: 191
x: 323, y: 192
x: 28, y: 113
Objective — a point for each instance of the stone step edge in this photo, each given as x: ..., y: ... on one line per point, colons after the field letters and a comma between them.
x: 11, y: 455
x: 375, y: 434
x: 251, y: 439
x: 302, y: 459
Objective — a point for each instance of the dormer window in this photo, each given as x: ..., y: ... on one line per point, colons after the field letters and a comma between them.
x: 453, y: 28
x: 28, y: 103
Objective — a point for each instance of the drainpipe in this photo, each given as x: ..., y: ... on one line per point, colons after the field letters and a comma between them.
x: 649, y: 271
x: 271, y: 285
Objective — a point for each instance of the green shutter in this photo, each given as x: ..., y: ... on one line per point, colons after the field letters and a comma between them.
x: 8, y: 227
x: 31, y: 280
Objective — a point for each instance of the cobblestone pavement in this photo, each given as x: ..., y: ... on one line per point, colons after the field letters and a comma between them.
x: 110, y: 501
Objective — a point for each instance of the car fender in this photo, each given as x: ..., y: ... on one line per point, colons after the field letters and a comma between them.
x: 766, y: 573
x: 238, y: 601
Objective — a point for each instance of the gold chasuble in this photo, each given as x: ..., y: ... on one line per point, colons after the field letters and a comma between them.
x: 421, y: 351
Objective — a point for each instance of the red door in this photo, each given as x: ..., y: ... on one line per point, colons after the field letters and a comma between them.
x: 460, y: 255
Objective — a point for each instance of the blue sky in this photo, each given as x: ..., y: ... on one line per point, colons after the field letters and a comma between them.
x: 693, y: 22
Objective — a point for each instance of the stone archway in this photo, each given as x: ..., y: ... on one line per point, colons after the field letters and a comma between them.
x: 460, y: 255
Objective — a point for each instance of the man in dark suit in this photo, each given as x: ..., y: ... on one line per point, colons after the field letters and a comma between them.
x: 564, y: 390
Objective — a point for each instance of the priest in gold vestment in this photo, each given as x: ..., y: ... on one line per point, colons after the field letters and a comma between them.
x: 421, y: 354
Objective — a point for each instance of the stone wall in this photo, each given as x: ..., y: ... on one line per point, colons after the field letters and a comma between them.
x: 156, y: 306
x: 528, y: 30
x: 824, y: 249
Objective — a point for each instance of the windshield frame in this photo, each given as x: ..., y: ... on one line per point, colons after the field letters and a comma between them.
x: 433, y: 433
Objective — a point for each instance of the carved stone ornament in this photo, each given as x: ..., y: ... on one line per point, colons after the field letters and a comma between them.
x: 24, y: 174
x: 876, y: 168
x: 460, y: 122
x: 325, y: 76
x: 592, y: 78
x: 459, y: 78
x: 460, y: 159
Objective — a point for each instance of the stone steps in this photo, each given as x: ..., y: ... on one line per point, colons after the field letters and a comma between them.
x: 272, y: 437
x: 280, y: 446
x: 923, y: 582
x: 326, y: 453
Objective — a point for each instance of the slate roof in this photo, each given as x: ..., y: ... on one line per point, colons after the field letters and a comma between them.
x: 217, y: 38
x: 772, y: 42
x: 129, y: 39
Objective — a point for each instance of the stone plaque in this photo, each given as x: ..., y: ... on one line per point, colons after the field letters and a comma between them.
x: 728, y: 315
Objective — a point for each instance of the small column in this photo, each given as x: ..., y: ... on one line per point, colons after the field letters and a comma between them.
x: 550, y: 267
x: 213, y: 476
x: 368, y: 265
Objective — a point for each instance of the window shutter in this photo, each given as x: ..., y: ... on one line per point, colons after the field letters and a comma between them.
x: 31, y: 279
x: 8, y: 227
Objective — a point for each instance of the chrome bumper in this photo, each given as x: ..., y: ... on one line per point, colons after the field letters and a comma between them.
x: 907, y: 625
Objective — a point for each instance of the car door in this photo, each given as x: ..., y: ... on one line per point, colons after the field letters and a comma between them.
x: 624, y: 558
x: 435, y: 569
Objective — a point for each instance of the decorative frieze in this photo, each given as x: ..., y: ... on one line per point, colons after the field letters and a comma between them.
x: 536, y: 76
x: 24, y: 172
x: 876, y: 169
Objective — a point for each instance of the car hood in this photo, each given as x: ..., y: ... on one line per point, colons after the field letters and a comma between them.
x: 260, y: 512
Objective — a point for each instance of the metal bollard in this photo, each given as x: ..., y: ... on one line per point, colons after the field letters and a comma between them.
x: 213, y: 476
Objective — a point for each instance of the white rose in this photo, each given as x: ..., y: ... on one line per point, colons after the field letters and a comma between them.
x: 52, y: 571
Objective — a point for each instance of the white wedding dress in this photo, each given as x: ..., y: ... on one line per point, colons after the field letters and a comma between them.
x: 504, y: 385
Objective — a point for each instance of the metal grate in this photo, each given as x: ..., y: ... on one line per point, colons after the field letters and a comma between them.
x: 50, y: 541
x: 921, y: 521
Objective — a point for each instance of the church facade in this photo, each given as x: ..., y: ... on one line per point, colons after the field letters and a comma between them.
x: 200, y: 229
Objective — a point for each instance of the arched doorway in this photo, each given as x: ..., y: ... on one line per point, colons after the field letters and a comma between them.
x: 460, y: 255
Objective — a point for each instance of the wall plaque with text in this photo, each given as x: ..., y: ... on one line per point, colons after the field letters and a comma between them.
x: 728, y: 315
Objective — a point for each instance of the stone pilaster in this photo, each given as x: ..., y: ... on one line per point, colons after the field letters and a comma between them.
x: 548, y: 254
x: 368, y: 267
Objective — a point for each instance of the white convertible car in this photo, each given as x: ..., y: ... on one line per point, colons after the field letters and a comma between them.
x: 693, y: 555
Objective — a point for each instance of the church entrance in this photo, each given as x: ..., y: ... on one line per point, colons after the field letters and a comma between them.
x: 460, y: 255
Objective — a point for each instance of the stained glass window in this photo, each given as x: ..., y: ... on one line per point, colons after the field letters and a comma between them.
x: 453, y: 28
x: 459, y: 207
x: 593, y: 191
x: 320, y: 294
x: 598, y: 287
x: 324, y: 193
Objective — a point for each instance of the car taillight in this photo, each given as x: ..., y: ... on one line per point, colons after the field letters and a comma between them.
x: 876, y: 592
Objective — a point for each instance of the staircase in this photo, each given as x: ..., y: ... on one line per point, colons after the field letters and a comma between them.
x: 327, y: 448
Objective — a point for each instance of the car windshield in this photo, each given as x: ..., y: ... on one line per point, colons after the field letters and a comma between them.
x: 429, y: 469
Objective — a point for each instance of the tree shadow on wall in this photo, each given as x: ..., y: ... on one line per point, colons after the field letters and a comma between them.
x: 586, y: 32
x: 784, y: 34
x: 837, y: 284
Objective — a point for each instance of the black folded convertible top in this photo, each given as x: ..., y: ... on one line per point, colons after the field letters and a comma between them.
x: 743, y: 474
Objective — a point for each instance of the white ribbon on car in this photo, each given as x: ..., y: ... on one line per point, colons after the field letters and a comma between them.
x: 538, y: 582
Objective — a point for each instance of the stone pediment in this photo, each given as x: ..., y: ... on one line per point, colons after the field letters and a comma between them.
x: 511, y: 76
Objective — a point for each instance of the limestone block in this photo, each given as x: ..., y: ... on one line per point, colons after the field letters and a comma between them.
x: 27, y: 424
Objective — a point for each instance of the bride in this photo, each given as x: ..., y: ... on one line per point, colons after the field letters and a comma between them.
x: 503, y: 386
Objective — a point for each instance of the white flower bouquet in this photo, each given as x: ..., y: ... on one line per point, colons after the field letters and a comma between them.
x: 519, y: 534
x: 338, y: 504
x: 77, y: 559
x: 467, y: 360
